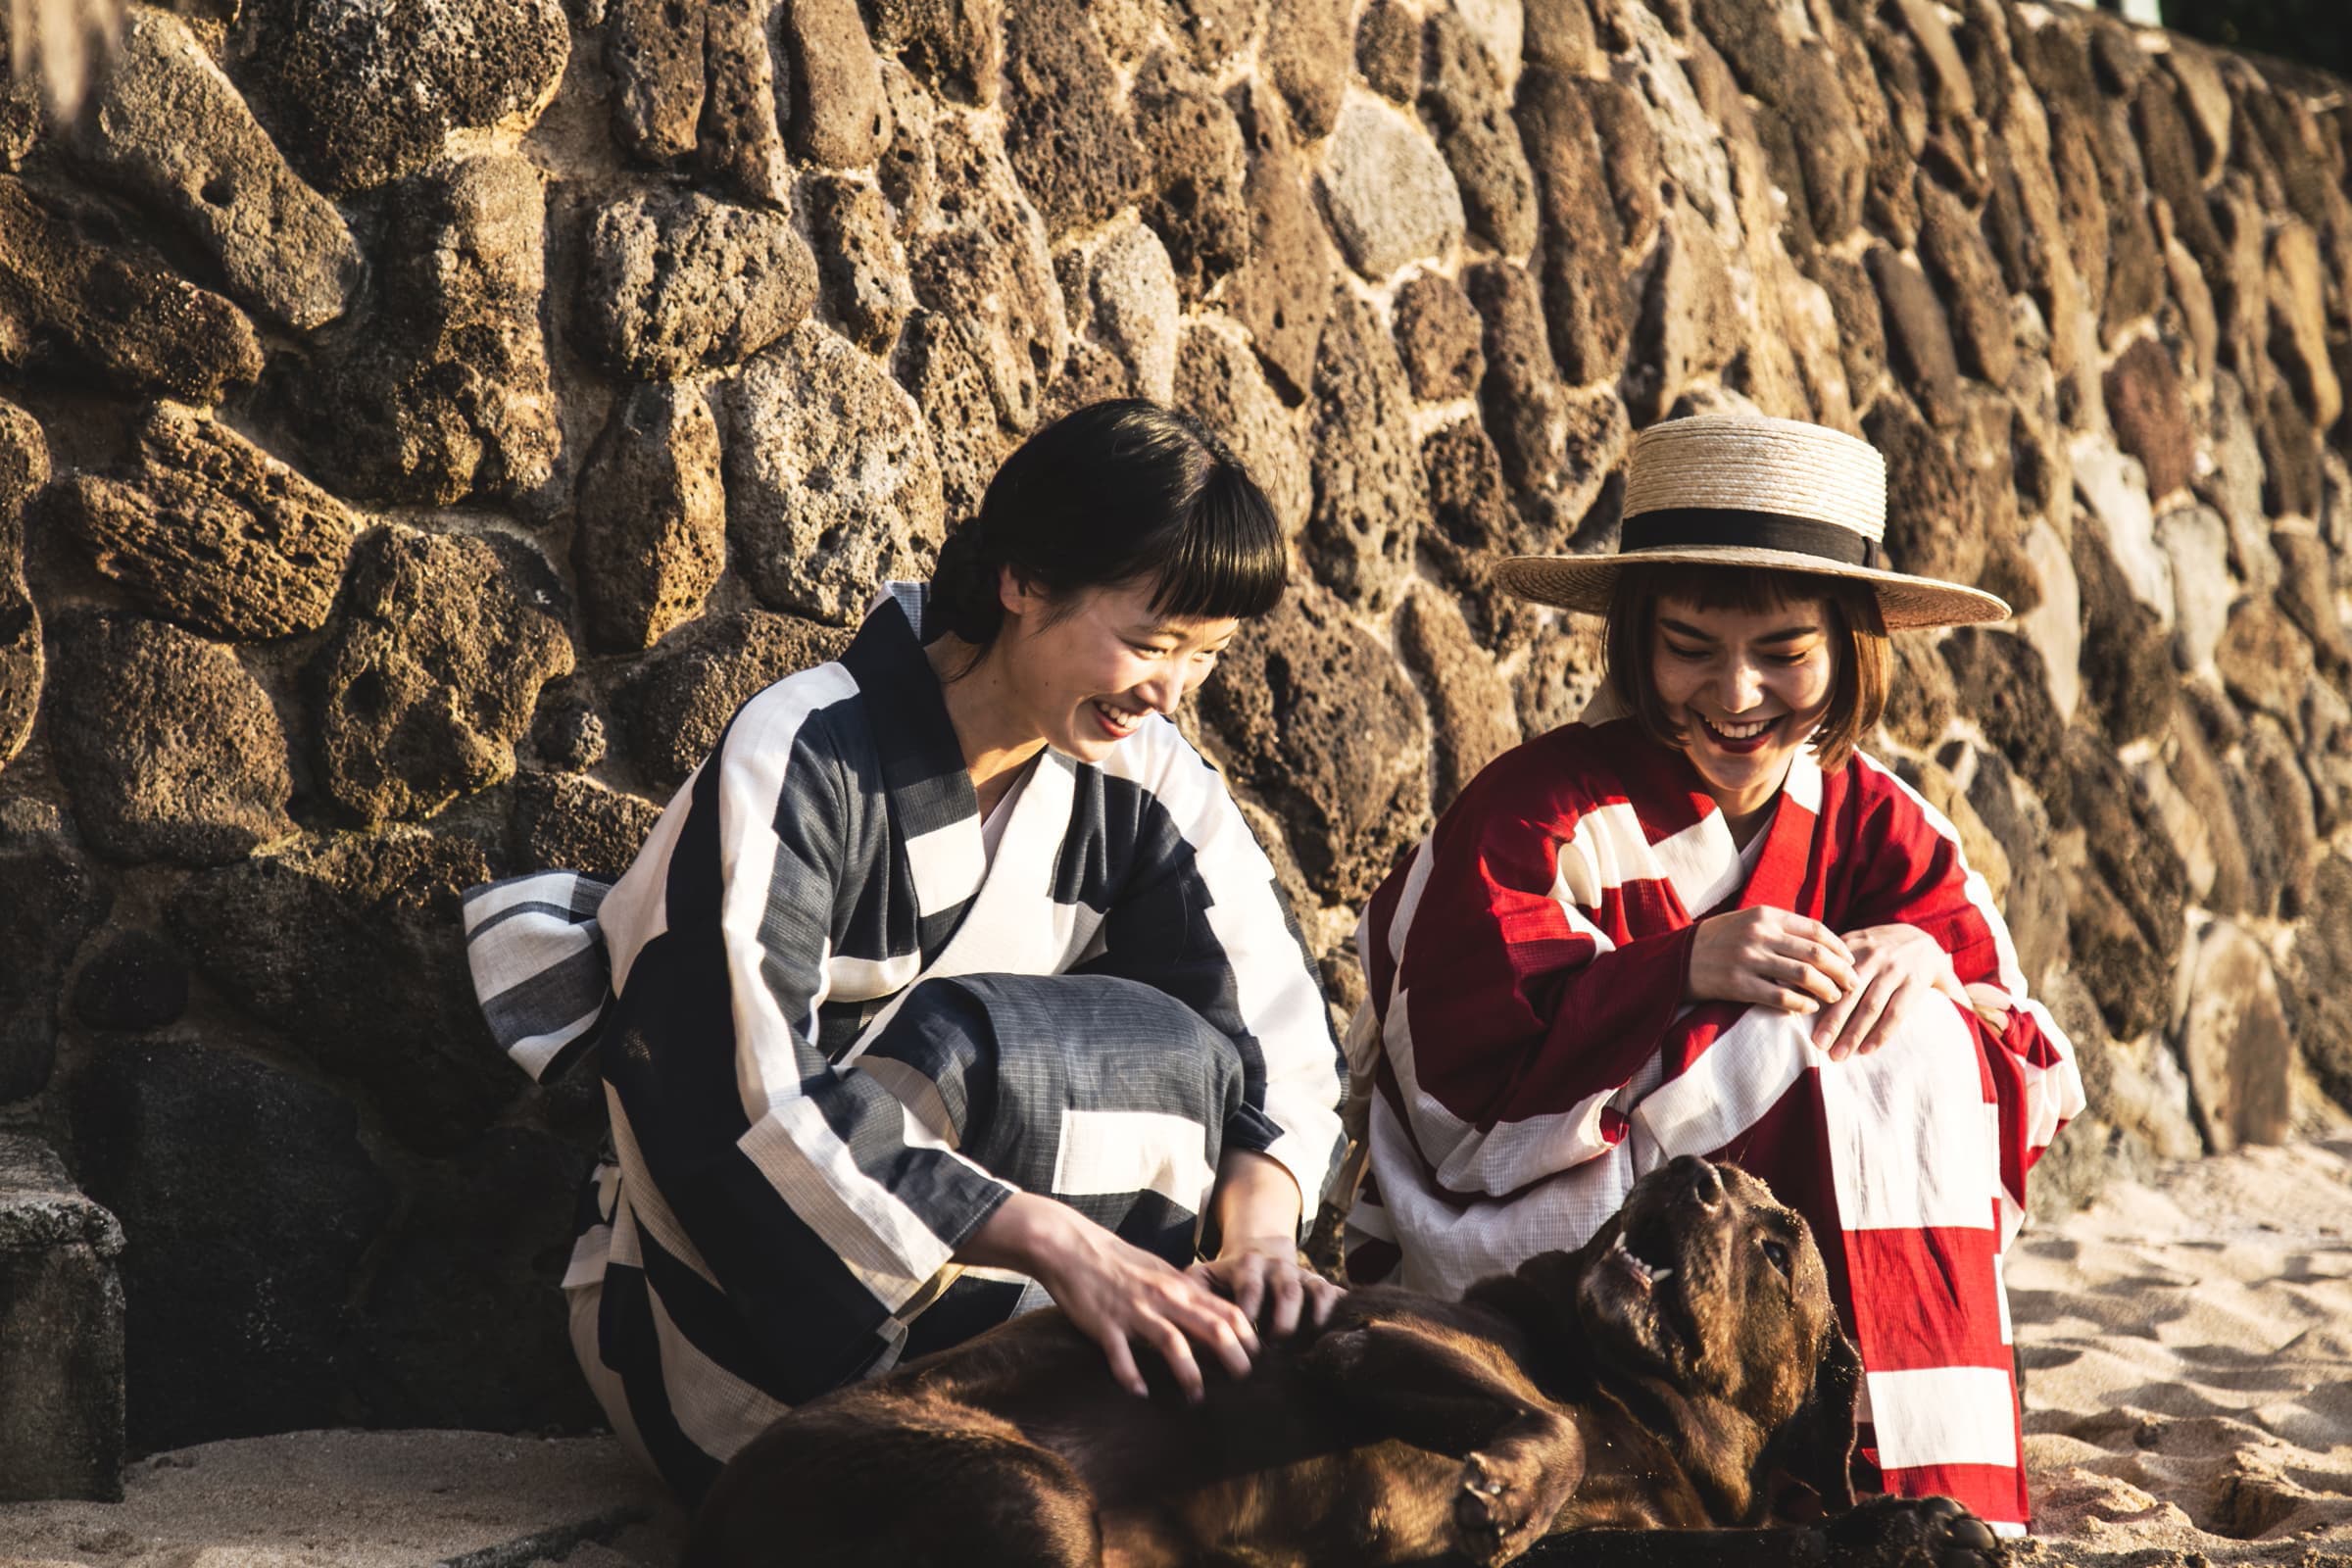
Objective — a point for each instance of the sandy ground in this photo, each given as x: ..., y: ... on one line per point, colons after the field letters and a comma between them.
x: 2189, y: 1355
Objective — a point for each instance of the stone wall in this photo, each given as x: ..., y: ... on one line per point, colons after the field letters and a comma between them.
x: 425, y: 422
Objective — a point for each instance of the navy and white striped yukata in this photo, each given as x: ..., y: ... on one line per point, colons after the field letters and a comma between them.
x: 839, y: 1034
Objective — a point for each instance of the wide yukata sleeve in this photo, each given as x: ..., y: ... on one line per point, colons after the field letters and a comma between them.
x: 1905, y: 866
x: 1201, y: 916
x: 805, y: 1191
x: 1524, y: 974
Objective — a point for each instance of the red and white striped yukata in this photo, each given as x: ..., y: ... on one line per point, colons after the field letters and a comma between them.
x: 1526, y: 969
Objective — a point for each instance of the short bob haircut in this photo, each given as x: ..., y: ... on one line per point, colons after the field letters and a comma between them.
x: 1857, y: 635
x: 1119, y: 492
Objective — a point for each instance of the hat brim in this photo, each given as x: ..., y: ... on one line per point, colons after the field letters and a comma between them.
x: 1587, y: 582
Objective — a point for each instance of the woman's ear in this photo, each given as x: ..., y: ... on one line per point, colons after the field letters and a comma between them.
x: 1016, y: 596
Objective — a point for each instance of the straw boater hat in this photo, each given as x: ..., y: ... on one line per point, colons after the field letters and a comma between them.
x: 1741, y: 490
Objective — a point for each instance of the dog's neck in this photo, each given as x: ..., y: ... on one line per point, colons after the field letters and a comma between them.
x: 1716, y: 1446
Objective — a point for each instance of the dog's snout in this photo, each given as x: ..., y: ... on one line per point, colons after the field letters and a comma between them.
x: 1705, y: 1185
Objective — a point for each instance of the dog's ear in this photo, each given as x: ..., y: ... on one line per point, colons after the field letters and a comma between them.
x: 1816, y: 1447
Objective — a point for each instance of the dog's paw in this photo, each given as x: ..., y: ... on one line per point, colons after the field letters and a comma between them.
x: 1913, y: 1533
x: 1495, y: 1516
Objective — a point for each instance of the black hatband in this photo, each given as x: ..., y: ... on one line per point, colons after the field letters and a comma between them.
x: 1699, y: 527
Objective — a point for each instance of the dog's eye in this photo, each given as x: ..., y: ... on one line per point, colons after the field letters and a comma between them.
x: 1777, y: 1255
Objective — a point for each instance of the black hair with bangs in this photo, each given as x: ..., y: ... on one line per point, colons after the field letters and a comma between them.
x: 1119, y: 492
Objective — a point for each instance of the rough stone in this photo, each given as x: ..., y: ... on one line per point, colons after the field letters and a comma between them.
x: 2203, y: 796
x: 2205, y: 100
x: 446, y: 394
x: 1921, y: 700
x: 839, y: 115
x: 1136, y: 312
x: 2038, y: 877
x: 2127, y: 648
x: 1285, y: 291
x: 450, y: 1330
x: 861, y: 262
x: 1193, y: 196
x: 2317, y: 991
x: 2273, y: 809
x: 1585, y: 297
x: 164, y: 124
x: 1471, y: 521
x: 23, y: 471
x: 2196, y: 541
x: 205, y: 528
x: 430, y: 669
x: 2307, y: 592
x: 61, y: 1333
x: 1369, y: 490
x: 1928, y: 522
x: 2170, y: 156
x: 2235, y: 1042
x: 318, y: 73
x: 1980, y: 850
x: 1469, y: 702
x: 2114, y: 491
x: 739, y: 144
x: 1390, y: 197
x: 1558, y: 33
x: 2009, y: 698
x: 137, y: 981
x: 675, y: 282
x: 1219, y: 382
x: 1861, y: 332
x: 1690, y: 326
x: 2149, y: 416
x: 832, y: 485
x: 1465, y: 101
x: 167, y: 748
x: 678, y: 701
x: 1066, y: 126
x: 70, y: 304
x: 1316, y: 720
x: 956, y: 45
x: 652, y: 534
x: 983, y: 266
x: 1306, y: 56
x: 2140, y: 871
x: 1520, y: 395
x: 1918, y: 335
x: 1953, y: 248
x: 949, y: 383
x: 2292, y: 475
x: 2298, y: 338
x: 2266, y: 663
x: 1387, y: 50
x: 565, y: 823
x: 2054, y: 625
x: 654, y: 54
x: 56, y: 900
x: 252, y: 1204
x: 1438, y: 337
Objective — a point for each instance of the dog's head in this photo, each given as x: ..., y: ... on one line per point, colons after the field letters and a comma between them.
x: 1705, y: 1300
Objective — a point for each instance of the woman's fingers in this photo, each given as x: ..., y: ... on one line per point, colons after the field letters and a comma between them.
x: 1288, y: 1297
x: 1175, y: 1350
x: 1325, y: 1296
x: 1123, y: 1370
x: 1868, y: 1007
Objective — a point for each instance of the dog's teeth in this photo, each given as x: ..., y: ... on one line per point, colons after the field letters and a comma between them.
x: 1658, y: 1274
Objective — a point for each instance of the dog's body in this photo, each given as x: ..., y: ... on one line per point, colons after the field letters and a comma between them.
x: 1680, y: 1373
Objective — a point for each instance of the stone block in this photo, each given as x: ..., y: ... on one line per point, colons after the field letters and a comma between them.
x: 652, y: 535
x: 676, y: 282
x: 681, y: 697
x: 1369, y: 490
x: 739, y: 143
x: 1194, y: 196
x: 1219, y: 382
x: 654, y: 54
x: 839, y: 113
x: 2234, y: 1041
x: 1439, y: 338
x: 61, y: 1333
x: 1465, y: 101
x: 1067, y: 130
x: 860, y: 261
x: 23, y: 471
x: 1392, y: 199
x: 1469, y: 700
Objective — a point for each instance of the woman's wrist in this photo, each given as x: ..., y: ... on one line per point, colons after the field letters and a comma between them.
x: 1027, y: 1234
x: 1256, y: 1207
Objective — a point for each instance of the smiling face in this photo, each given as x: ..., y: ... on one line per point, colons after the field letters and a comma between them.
x: 1084, y: 671
x: 1746, y: 688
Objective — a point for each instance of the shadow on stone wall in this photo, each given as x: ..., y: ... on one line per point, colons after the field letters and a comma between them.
x: 400, y: 489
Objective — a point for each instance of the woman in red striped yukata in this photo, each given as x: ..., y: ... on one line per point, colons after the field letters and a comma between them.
x: 1703, y: 923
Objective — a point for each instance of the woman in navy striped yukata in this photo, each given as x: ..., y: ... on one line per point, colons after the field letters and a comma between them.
x: 952, y: 982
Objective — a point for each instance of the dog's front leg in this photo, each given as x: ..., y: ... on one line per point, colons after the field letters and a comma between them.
x: 1521, y: 1460
x: 1883, y: 1532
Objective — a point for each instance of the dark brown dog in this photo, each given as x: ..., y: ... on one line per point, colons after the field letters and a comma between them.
x: 1673, y: 1382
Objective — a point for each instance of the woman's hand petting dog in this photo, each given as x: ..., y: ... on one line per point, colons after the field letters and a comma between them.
x: 1769, y: 956
x: 1116, y: 1294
